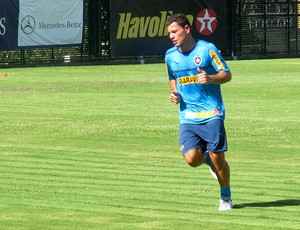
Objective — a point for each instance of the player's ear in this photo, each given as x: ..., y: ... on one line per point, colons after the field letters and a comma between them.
x: 187, y: 28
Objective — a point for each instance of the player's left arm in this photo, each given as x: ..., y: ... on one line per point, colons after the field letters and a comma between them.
x: 219, y: 78
x: 222, y: 74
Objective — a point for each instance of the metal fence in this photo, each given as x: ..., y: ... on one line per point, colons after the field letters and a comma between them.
x: 267, y: 27
x: 257, y: 28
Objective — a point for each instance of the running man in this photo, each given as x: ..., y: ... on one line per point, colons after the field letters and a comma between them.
x: 196, y: 70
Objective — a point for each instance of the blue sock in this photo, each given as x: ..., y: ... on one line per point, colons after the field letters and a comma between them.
x: 225, y: 193
x: 207, y: 158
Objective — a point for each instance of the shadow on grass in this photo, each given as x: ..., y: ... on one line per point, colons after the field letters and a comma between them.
x: 277, y: 203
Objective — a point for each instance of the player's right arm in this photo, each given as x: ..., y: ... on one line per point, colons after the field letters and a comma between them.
x: 174, y: 97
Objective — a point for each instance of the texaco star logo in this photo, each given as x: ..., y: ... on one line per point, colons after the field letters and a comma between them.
x: 206, y: 22
x: 28, y: 24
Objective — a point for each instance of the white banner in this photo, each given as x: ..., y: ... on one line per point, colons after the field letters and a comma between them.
x: 50, y: 23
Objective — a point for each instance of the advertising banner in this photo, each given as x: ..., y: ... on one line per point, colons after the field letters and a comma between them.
x: 40, y: 23
x: 9, y: 12
x: 48, y: 23
x: 137, y: 26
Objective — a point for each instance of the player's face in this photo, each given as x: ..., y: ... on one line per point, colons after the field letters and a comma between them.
x: 177, y: 34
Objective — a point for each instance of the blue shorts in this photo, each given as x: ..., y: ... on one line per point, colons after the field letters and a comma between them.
x: 208, y: 136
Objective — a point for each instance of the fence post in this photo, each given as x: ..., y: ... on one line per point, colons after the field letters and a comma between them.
x: 231, y: 25
x: 93, y: 29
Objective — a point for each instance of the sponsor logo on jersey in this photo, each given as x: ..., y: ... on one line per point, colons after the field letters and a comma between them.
x: 202, y: 114
x: 188, y: 80
x: 216, y: 59
x: 217, y: 112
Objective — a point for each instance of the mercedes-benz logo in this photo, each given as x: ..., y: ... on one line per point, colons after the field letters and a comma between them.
x: 28, y: 24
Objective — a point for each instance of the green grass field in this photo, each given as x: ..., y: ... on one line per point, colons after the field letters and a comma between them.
x: 96, y: 148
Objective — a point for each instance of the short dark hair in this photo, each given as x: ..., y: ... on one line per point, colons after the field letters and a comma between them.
x: 180, y: 18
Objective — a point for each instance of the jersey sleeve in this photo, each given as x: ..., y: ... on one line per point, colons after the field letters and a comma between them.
x: 169, y: 71
x: 217, y: 60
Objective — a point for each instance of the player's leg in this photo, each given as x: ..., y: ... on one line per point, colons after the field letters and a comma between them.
x: 222, y: 168
x: 191, y: 146
x: 223, y: 174
x: 194, y: 157
x: 217, y: 145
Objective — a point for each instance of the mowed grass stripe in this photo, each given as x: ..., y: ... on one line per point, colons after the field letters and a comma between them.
x: 148, y: 171
x: 185, y: 206
x: 125, y: 180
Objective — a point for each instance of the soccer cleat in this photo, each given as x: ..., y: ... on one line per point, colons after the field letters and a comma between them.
x: 225, y: 205
x: 213, y: 171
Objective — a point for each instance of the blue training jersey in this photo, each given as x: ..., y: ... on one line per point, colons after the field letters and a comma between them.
x: 199, y: 103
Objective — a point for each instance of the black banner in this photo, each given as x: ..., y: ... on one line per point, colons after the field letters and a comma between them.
x: 137, y: 27
x: 9, y: 11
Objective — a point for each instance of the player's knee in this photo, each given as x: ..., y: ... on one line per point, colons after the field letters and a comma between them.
x: 194, y: 158
x: 193, y: 162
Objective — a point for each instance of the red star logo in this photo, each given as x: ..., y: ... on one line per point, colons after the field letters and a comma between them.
x: 206, y: 22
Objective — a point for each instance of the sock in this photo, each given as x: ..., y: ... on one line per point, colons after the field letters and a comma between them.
x: 225, y: 193
x: 207, y: 158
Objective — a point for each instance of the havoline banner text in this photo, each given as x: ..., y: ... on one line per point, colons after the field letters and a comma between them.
x: 137, y: 27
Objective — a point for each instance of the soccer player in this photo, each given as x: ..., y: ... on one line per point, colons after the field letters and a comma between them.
x: 196, y: 70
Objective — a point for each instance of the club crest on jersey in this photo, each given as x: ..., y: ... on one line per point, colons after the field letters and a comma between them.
x: 198, y: 60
